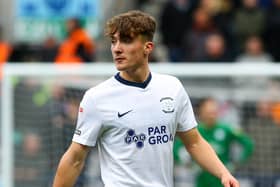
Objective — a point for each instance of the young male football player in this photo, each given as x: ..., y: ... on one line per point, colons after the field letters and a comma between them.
x: 133, y: 117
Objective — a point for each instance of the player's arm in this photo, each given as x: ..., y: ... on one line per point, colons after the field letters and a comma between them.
x: 71, y: 165
x: 206, y: 157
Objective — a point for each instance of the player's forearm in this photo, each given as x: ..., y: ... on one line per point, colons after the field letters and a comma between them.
x: 68, y: 171
x: 206, y: 157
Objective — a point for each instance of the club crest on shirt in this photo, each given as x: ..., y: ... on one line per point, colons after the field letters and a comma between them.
x: 167, y: 104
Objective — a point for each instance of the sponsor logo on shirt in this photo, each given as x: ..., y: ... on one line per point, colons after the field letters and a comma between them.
x: 131, y: 136
x: 159, y: 135
x: 154, y: 135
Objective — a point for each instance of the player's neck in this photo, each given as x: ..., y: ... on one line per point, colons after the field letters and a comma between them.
x: 139, y: 75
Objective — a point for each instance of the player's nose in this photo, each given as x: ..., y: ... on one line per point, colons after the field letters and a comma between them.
x: 117, y: 47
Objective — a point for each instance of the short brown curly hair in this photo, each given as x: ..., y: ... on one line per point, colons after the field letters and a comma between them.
x: 131, y: 24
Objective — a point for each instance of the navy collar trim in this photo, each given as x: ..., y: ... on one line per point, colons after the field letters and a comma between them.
x: 135, y: 84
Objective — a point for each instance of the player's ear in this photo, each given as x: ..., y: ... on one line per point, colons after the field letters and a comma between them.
x: 148, y: 47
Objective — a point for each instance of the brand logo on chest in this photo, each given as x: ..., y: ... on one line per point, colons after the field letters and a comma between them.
x: 123, y: 114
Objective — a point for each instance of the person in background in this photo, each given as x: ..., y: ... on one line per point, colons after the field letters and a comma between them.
x: 264, y: 166
x: 222, y: 138
x: 5, y: 51
x: 276, y: 112
x: 175, y: 20
x: 5, y: 48
x: 49, y: 50
x: 254, y: 51
x: 30, y: 166
x: 249, y: 20
x: 194, y: 40
x: 216, y: 49
x: 272, y: 30
x: 222, y: 12
x: 78, y: 46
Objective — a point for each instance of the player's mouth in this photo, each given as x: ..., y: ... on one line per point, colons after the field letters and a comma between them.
x: 119, y: 59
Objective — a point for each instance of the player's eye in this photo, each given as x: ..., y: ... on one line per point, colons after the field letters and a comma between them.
x: 113, y: 41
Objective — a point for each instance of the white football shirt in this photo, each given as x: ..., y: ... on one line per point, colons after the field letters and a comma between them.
x: 134, y: 125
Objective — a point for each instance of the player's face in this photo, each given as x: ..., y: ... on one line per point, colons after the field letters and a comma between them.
x: 129, y: 54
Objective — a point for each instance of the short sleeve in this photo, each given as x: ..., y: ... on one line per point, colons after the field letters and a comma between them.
x: 89, y: 122
x: 185, y: 117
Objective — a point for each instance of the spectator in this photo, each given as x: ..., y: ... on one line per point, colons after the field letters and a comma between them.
x: 49, y: 50
x: 34, y: 118
x: 175, y: 20
x: 78, y: 46
x: 222, y: 137
x: 5, y: 51
x: 30, y: 167
x: 264, y: 165
x: 194, y: 40
x: 272, y: 30
x: 276, y: 113
x: 249, y: 20
x: 215, y: 49
x: 219, y: 7
x: 254, y: 51
x: 265, y: 3
x: 63, y: 109
x: 222, y: 14
x: 56, y: 111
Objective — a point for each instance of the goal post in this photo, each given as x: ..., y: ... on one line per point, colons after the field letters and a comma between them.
x: 7, y: 131
x: 228, y: 81
x: 11, y: 71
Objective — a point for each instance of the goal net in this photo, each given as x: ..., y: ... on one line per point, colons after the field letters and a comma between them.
x: 40, y: 105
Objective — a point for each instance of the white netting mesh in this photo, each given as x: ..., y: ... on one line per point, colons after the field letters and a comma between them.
x: 44, y: 110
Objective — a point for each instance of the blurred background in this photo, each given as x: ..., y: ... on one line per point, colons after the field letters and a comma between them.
x: 238, y: 115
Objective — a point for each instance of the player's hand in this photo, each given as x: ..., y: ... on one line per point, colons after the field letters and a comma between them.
x: 229, y: 181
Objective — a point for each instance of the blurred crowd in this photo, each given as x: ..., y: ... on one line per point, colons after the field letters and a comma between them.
x: 221, y: 31
x: 77, y: 47
x: 43, y: 133
x: 190, y: 30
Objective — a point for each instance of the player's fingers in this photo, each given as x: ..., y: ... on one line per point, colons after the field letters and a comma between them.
x: 234, y: 183
x: 231, y: 183
x: 237, y: 184
x: 227, y: 184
